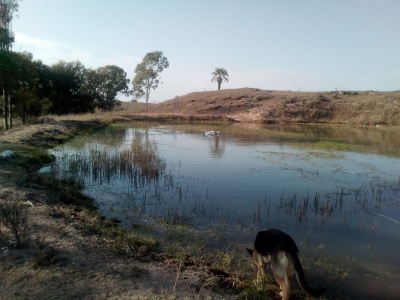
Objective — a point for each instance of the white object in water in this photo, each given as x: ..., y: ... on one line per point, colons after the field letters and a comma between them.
x: 7, y: 153
x: 45, y: 170
x: 210, y: 133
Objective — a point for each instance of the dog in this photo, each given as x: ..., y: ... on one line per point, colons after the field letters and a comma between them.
x: 278, y: 249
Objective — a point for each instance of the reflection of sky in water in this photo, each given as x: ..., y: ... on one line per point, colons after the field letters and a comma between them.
x: 249, y: 172
x: 243, y: 182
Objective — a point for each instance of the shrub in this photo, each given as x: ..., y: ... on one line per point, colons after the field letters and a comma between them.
x: 14, y: 216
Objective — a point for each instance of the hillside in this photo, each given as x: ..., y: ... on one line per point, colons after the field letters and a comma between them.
x: 265, y: 106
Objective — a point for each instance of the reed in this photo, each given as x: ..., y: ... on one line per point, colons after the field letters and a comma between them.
x: 100, y: 164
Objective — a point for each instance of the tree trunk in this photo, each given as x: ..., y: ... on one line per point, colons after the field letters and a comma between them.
x: 6, y: 108
x: 10, y: 112
x: 147, y: 99
x: 24, y: 115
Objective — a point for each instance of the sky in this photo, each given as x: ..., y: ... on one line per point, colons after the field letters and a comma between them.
x: 298, y: 45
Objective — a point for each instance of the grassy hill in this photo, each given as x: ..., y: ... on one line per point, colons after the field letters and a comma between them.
x: 255, y: 105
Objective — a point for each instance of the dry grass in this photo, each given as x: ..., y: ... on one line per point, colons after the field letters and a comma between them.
x: 120, y: 113
x: 261, y: 106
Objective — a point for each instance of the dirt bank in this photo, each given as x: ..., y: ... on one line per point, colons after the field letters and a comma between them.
x: 255, y: 105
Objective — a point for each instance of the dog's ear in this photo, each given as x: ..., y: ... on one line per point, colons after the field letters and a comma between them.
x: 250, y: 251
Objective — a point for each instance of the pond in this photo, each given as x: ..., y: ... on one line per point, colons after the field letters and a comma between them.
x: 334, y: 189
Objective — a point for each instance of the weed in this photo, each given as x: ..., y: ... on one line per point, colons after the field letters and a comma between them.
x: 176, y: 216
x: 45, y: 255
x: 266, y: 291
x: 14, y: 216
x: 120, y: 239
x: 68, y: 190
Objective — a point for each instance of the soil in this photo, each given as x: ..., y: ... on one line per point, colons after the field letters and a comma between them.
x: 263, y: 106
x: 62, y: 260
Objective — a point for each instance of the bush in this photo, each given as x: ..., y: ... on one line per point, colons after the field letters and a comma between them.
x: 14, y: 217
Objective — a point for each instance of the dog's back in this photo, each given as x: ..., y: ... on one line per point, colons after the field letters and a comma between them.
x: 274, y: 240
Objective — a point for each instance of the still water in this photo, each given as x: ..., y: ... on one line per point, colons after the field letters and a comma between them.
x: 342, y: 204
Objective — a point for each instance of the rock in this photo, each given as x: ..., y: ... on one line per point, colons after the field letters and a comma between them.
x: 7, y: 153
x: 45, y: 170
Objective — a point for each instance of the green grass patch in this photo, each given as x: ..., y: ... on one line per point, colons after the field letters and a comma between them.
x: 23, y: 169
x: 327, y: 145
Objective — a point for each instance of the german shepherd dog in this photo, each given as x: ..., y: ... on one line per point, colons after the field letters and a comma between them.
x: 279, y: 249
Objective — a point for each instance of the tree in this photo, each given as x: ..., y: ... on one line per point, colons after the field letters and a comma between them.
x: 147, y: 75
x: 67, y: 80
x: 89, y: 91
x: 7, y: 8
x: 219, y: 75
x: 30, y: 88
x: 112, y: 83
x: 22, y: 83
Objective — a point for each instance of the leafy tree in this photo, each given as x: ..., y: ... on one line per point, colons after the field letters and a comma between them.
x: 112, y: 84
x: 43, y: 88
x: 147, y: 75
x: 89, y: 90
x: 219, y: 75
x: 22, y: 82
x: 7, y: 9
x: 67, y: 80
x: 6, y: 77
x: 29, y: 84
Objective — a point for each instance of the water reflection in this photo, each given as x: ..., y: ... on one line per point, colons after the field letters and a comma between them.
x: 385, y: 141
x: 347, y: 201
x: 216, y: 146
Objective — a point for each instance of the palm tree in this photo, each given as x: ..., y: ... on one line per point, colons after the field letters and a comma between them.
x: 219, y: 75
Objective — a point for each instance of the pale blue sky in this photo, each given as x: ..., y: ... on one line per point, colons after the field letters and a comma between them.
x: 314, y: 45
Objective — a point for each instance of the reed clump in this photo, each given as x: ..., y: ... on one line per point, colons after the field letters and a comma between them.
x: 98, y: 164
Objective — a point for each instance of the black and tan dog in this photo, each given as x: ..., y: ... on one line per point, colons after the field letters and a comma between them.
x: 279, y: 249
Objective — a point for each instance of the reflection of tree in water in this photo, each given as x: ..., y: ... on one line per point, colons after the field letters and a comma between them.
x: 217, y: 147
x: 145, y: 155
x: 111, y: 137
x: 136, y: 161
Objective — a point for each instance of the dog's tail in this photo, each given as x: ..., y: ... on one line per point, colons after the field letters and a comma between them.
x: 301, y: 279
